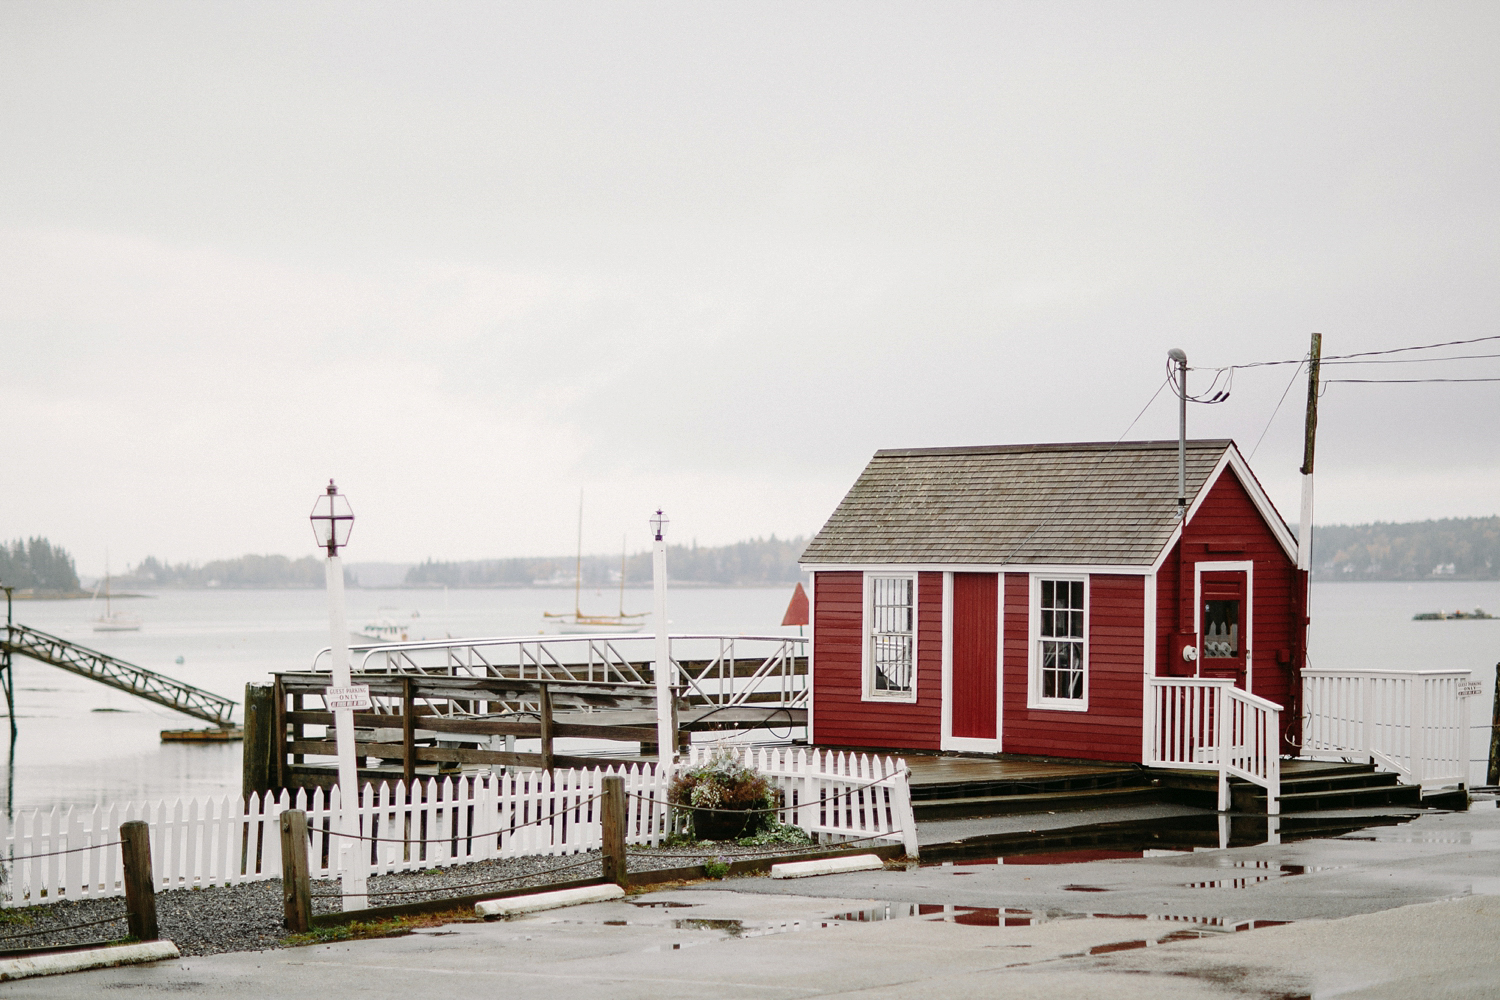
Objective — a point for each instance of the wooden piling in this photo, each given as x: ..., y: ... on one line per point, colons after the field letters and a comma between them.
x: 546, y: 713
x: 408, y: 733
x: 296, y: 889
x: 256, y: 769
x: 140, y: 885
x: 612, y: 826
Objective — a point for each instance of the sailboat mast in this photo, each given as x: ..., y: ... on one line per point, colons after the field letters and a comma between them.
x: 578, y: 565
x: 622, y: 576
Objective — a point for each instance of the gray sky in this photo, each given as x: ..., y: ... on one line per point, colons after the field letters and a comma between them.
x: 472, y: 258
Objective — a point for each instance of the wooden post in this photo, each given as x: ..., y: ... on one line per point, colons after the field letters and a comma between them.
x: 1493, y: 777
x: 278, y: 735
x: 257, y: 749
x: 612, y: 824
x: 140, y: 885
x: 408, y: 734
x: 296, y: 891
x: 546, y: 713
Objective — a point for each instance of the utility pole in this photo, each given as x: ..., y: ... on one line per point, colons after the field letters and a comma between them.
x: 1309, y: 439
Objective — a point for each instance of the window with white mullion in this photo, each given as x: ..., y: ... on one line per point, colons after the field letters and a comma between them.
x: 1061, y: 655
x: 891, y: 636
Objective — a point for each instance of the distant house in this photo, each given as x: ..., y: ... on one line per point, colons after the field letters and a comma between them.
x: 1019, y: 598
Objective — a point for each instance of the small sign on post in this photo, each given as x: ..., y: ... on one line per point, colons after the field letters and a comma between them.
x: 355, y: 698
x: 1470, y: 689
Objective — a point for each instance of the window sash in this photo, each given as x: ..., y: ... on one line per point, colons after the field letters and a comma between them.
x: 892, y: 637
x: 1061, y: 662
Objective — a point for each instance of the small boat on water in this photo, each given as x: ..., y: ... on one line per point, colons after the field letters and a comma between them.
x: 111, y: 620
x: 1449, y: 616
x: 385, y: 629
x: 579, y: 623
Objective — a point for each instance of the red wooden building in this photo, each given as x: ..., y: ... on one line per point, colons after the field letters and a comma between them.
x: 1019, y: 598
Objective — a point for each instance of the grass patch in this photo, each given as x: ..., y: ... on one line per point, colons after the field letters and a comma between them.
x: 360, y: 930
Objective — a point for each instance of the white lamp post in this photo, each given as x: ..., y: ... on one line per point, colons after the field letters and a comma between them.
x: 666, y: 733
x: 332, y: 521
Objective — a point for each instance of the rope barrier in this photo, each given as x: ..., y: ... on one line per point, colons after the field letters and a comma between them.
x: 59, y: 930
x: 53, y: 854
x: 833, y: 798
x: 456, y: 835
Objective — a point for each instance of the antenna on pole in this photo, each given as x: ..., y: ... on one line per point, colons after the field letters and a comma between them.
x: 1179, y: 357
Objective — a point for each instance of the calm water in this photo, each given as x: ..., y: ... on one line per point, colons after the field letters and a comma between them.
x: 70, y: 752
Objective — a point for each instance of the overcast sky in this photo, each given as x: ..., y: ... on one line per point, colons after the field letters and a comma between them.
x: 470, y: 259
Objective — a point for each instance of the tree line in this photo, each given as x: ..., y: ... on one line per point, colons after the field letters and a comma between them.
x: 249, y: 572
x: 1465, y: 548
x: 36, y: 564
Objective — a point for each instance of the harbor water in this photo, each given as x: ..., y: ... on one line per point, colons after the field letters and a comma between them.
x: 81, y: 743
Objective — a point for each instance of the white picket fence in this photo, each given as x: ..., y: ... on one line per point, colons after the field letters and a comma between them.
x: 52, y: 855
x: 1413, y: 722
x: 1209, y: 724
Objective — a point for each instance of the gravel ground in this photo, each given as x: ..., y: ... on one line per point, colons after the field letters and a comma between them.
x: 248, y: 917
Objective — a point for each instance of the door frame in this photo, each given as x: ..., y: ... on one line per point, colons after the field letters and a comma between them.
x: 1247, y: 567
x: 969, y: 744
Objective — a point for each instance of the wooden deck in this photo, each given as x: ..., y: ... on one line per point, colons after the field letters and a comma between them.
x: 935, y: 769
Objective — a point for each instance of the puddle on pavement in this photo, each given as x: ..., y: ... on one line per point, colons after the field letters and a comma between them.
x: 1264, y: 871
x: 992, y: 916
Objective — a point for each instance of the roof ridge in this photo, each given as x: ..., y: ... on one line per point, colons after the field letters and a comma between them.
x: 1197, y: 444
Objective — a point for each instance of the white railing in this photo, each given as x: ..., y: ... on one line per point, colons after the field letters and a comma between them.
x: 1413, y: 722
x: 476, y: 817
x: 1209, y: 724
x: 772, y: 681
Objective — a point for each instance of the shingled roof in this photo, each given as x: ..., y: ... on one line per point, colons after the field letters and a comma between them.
x: 1107, y: 503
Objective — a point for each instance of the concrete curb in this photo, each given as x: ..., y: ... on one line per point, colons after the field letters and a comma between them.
x: 88, y: 958
x: 547, y: 900
x: 827, y: 866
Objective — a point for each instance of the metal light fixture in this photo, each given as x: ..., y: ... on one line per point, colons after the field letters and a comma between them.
x: 659, y: 524
x: 332, y: 520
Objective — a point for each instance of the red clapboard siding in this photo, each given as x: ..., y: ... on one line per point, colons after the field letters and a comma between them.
x: 841, y: 716
x: 1228, y: 514
x: 976, y: 608
x: 1111, y: 728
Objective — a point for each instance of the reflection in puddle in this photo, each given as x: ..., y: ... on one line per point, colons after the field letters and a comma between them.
x: 1265, y: 872
x: 992, y: 916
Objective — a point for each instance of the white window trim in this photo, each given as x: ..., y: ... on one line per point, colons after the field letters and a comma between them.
x: 867, y: 669
x: 1247, y: 567
x: 1034, y: 698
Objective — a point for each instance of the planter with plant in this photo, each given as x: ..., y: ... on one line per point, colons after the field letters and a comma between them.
x: 722, y: 799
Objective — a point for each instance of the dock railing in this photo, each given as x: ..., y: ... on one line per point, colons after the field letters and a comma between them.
x: 1412, y: 722
x: 1208, y: 724
x: 721, y: 671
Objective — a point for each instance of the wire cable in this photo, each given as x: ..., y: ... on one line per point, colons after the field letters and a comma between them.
x: 1335, y: 358
x: 464, y: 885
x: 53, y: 854
x: 1290, y: 382
x: 1401, y: 381
x: 456, y: 835
x: 59, y: 930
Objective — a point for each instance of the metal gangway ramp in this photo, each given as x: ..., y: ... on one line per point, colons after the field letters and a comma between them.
x: 118, y: 674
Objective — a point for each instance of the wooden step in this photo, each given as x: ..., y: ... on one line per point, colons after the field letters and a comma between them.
x: 1344, y: 798
x: 1008, y: 805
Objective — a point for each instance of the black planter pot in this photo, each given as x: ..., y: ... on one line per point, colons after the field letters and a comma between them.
x: 723, y: 825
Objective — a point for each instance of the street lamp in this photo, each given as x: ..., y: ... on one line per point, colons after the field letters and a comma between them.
x: 666, y: 732
x: 332, y: 521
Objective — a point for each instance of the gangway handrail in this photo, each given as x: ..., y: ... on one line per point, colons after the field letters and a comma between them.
x: 504, y: 640
x: 116, y: 673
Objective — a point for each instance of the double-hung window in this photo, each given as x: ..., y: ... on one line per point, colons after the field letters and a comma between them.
x: 891, y: 637
x: 1059, y: 644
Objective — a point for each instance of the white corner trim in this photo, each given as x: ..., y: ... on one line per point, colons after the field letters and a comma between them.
x: 1148, y: 647
x: 946, y: 731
